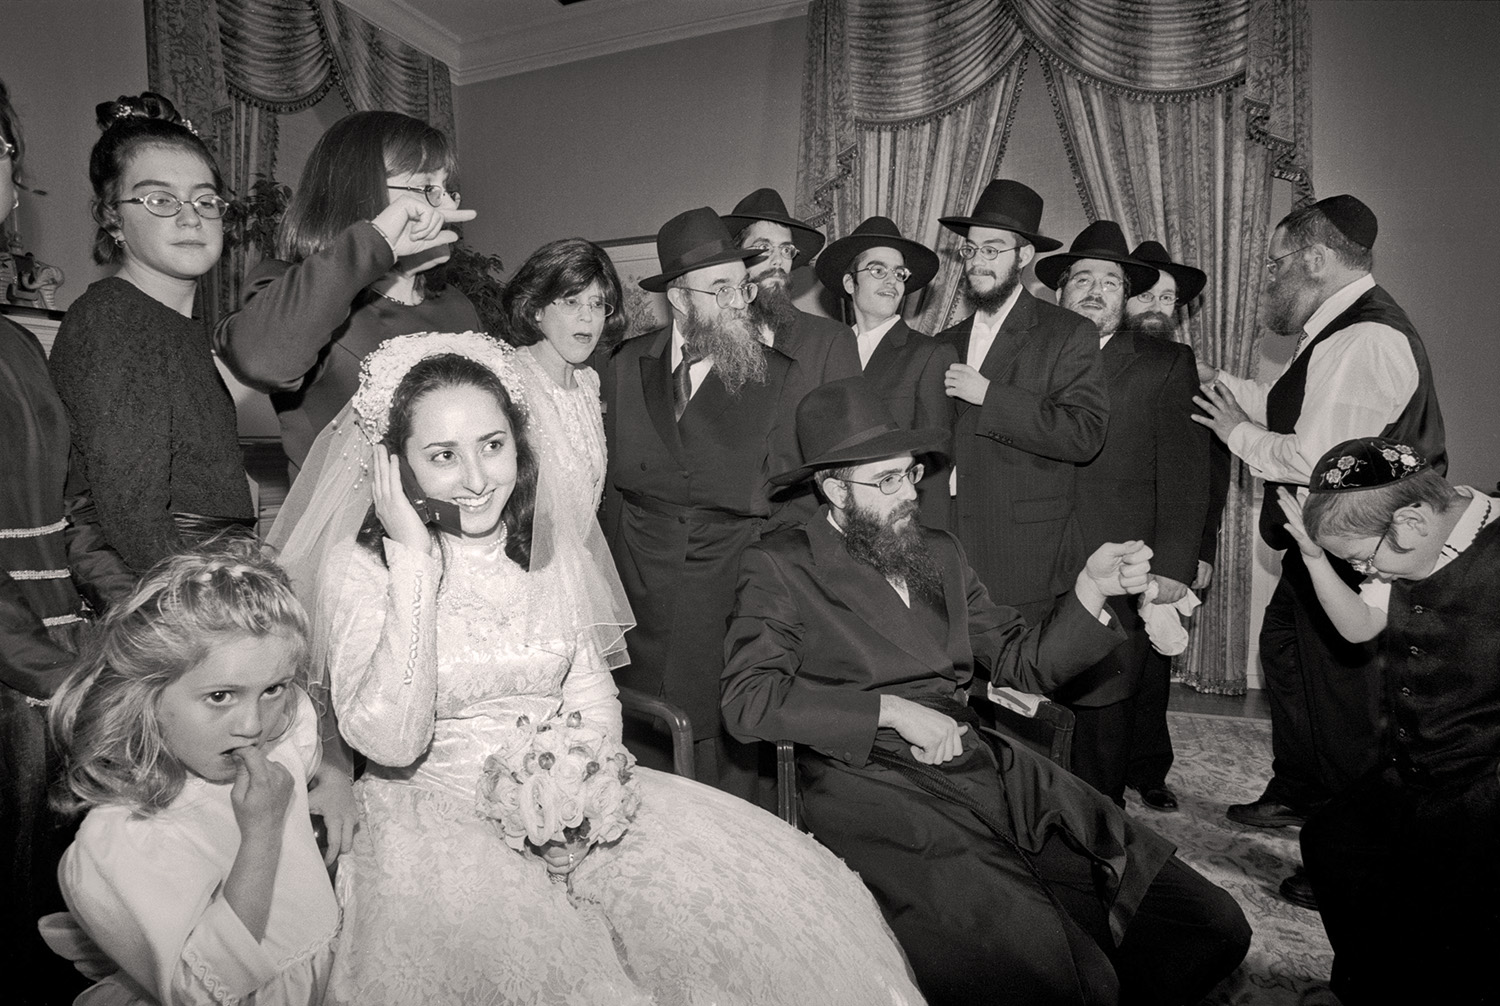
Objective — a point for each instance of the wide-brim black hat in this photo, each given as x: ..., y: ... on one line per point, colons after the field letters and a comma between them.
x: 1101, y: 240
x: 767, y: 204
x: 876, y: 232
x: 1008, y: 206
x: 696, y: 239
x: 1190, y: 281
x: 845, y: 422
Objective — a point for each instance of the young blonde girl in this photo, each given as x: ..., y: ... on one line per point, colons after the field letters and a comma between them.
x: 190, y: 742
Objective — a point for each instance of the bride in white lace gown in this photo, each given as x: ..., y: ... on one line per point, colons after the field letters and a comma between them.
x: 435, y: 642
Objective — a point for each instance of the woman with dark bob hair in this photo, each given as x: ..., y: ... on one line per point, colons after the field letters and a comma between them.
x: 561, y: 306
x: 152, y: 421
x: 370, y: 215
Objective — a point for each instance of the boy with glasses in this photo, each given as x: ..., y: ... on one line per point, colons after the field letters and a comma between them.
x: 1403, y: 863
x: 876, y: 269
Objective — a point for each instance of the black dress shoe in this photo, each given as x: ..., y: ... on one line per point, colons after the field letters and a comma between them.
x: 1159, y: 797
x: 1299, y: 891
x: 1265, y: 813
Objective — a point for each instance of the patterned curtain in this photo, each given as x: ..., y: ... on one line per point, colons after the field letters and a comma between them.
x: 234, y: 66
x: 1192, y: 168
x: 1176, y: 116
x: 912, y: 145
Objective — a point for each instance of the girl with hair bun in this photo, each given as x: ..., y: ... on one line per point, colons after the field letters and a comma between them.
x: 372, y: 213
x: 152, y: 420
x: 190, y: 742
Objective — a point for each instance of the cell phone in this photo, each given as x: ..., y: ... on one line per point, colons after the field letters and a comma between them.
x: 441, y: 513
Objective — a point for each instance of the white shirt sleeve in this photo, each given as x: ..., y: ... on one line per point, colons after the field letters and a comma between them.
x: 1250, y: 394
x: 1358, y: 382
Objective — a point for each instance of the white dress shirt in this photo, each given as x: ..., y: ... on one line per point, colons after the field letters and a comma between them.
x: 981, y: 337
x: 868, y: 341
x: 696, y: 371
x: 1358, y: 382
x: 982, y: 334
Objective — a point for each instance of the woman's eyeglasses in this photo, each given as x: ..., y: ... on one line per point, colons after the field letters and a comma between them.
x: 164, y: 204
x: 432, y: 193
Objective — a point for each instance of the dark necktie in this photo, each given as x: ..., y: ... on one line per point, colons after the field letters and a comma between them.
x: 682, y: 383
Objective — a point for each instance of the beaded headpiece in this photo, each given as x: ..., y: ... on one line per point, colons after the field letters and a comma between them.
x: 382, y: 371
x: 1364, y: 463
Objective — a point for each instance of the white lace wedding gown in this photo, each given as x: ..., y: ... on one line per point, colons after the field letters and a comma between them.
x: 706, y: 899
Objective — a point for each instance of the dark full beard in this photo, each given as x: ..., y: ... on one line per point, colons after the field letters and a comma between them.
x: 897, y: 553
x: 1005, y: 285
x: 773, y: 308
x: 1155, y: 324
x: 738, y: 355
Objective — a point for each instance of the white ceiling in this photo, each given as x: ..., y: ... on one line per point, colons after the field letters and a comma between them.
x: 482, y: 39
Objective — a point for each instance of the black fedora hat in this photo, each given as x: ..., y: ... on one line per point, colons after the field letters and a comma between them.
x: 692, y: 240
x: 1008, y: 206
x: 876, y: 232
x: 767, y: 204
x: 1190, y: 281
x: 1102, y: 240
x: 845, y: 422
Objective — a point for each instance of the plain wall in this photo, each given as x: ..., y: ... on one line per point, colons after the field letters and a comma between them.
x: 60, y: 58
x: 613, y: 147
x: 1406, y: 115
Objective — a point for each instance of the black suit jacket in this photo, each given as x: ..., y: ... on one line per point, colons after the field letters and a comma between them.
x: 907, y: 369
x: 681, y: 501
x: 817, y: 638
x: 1150, y: 481
x: 1044, y: 414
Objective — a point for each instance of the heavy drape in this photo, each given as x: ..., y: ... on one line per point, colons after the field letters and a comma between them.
x: 1176, y: 114
x: 234, y: 66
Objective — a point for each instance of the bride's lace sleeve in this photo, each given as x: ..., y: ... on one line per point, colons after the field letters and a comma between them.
x: 383, y: 663
x: 590, y: 689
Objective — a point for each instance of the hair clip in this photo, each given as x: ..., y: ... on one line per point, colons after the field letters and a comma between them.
x: 188, y: 125
x: 122, y: 111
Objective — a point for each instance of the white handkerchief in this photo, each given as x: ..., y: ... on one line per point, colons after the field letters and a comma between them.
x: 1164, y: 621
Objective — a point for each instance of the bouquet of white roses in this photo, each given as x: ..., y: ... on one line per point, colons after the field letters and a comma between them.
x: 559, y: 781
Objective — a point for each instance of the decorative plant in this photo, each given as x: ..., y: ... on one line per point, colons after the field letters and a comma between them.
x: 256, y: 216
x: 478, y: 276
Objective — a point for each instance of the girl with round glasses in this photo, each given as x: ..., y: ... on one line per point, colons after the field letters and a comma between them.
x: 371, y: 215
x: 152, y: 421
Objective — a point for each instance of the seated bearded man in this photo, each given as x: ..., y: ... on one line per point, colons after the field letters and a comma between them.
x: 856, y: 635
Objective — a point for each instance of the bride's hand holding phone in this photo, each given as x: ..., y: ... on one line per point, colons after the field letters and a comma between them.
x: 396, y: 513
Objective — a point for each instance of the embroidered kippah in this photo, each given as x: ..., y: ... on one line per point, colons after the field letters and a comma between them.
x: 382, y: 371
x: 1365, y: 463
x: 1354, y: 219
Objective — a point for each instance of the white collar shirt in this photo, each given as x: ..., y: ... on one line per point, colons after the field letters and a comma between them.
x: 869, y: 341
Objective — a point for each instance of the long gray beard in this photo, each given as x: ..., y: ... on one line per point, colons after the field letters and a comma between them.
x: 774, y: 309
x: 738, y: 355
x: 896, y: 553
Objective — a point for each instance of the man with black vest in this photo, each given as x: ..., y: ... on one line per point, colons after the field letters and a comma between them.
x: 1359, y: 370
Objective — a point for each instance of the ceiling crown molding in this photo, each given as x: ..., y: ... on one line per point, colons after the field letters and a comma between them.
x: 412, y: 26
x: 506, y: 37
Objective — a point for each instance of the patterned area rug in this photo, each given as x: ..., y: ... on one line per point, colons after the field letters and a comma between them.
x: 1222, y: 760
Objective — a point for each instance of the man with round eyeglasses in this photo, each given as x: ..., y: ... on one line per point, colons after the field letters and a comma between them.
x: 697, y: 414
x: 1029, y: 406
x: 1359, y: 369
x: 856, y: 636
x: 875, y: 268
x: 1149, y: 481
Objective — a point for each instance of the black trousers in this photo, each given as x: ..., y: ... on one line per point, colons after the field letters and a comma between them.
x: 1150, y: 757
x: 1323, y: 690
x: 1408, y: 884
x: 1101, y: 745
x: 1187, y: 935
